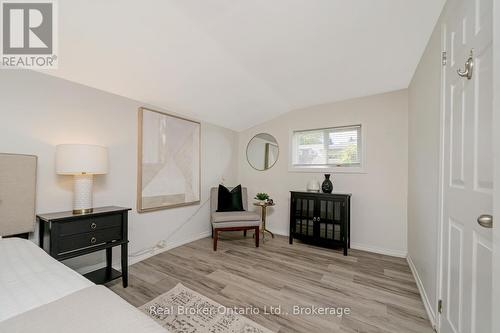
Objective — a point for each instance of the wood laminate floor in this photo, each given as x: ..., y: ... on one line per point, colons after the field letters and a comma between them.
x: 379, y: 290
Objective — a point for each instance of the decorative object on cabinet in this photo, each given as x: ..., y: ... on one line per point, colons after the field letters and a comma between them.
x: 82, y: 162
x: 73, y: 235
x: 321, y: 219
x: 262, y: 151
x: 313, y: 186
x: 327, y: 186
x: 168, y: 162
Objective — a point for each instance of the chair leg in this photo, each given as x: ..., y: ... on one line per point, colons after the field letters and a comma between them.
x: 256, y: 236
x: 244, y: 233
x: 216, y: 235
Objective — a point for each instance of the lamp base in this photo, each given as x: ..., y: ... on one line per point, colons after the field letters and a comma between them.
x: 82, y: 196
x: 83, y: 211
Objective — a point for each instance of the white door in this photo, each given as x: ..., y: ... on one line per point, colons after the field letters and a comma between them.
x: 496, y: 148
x: 468, y: 168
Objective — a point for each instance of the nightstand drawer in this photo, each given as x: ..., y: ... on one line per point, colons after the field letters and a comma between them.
x: 79, y: 241
x: 89, y: 224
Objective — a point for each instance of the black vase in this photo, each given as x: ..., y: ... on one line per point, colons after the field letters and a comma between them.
x: 327, y: 185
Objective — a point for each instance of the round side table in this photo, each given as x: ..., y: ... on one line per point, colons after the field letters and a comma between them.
x: 263, y: 206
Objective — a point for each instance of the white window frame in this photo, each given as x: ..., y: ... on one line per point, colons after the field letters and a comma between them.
x: 329, y: 168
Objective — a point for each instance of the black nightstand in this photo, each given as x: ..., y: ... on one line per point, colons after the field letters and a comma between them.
x: 72, y: 235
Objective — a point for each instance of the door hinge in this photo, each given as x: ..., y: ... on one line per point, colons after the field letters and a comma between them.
x: 440, y: 306
x: 444, y: 58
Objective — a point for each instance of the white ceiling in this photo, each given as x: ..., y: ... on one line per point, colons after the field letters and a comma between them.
x: 238, y: 63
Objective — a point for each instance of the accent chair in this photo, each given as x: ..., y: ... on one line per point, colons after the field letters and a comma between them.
x: 233, y: 221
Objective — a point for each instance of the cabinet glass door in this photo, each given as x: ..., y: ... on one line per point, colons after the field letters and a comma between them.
x: 304, y: 215
x: 330, y: 219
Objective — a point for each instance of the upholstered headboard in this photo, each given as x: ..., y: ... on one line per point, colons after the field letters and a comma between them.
x: 17, y: 193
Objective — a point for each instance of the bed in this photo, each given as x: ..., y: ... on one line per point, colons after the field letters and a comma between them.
x: 30, y: 278
x: 37, y: 292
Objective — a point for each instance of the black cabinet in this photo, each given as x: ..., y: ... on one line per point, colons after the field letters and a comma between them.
x: 321, y: 219
x: 72, y: 235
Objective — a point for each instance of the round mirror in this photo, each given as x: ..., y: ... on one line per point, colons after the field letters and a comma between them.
x: 262, y: 151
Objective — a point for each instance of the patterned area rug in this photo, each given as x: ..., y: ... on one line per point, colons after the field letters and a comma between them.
x: 182, y: 310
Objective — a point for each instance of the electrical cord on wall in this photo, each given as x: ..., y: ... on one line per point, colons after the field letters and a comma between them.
x: 163, y: 243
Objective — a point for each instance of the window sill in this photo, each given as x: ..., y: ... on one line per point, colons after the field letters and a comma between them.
x: 316, y: 169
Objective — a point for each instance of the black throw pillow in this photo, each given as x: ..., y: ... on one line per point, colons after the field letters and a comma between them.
x: 229, y: 201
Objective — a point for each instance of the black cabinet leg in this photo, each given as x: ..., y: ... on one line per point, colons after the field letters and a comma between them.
x: 290, y: 239
x: 41, y: 232
x: 109, y: 262
x: 345, y: 249
x: 125, y: 265
x: 349, y: 235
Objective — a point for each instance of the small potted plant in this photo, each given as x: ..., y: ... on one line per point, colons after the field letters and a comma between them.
x: 262, y: 197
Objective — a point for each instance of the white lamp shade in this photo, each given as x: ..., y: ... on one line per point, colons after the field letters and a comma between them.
x: 76, y: 159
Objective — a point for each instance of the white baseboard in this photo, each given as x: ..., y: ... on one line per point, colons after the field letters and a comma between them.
x: 279, y: 232
x: 134, y: 259
x: 380, y: 250
x: 87, y: 269
x: 169, y: 246
x: 427, y: 304
x: 362, y: 247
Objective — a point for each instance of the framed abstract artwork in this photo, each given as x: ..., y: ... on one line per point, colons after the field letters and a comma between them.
x: 169, y: 161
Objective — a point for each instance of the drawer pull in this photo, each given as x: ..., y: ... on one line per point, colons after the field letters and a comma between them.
x: 93, y: 226
x: 93, y: 240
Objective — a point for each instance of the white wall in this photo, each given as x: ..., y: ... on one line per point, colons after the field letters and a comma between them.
x: 423, y: 170
x: 379, y: 211
x: 38, y: 112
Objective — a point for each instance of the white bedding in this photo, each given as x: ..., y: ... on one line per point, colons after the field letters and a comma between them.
x: 91, y: 310
x: 30, y: 278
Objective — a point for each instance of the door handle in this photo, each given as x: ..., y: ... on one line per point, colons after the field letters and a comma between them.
x: 469, y: 67
x: 485, y: 221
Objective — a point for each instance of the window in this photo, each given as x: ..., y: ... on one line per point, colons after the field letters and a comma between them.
x: 334, y: 147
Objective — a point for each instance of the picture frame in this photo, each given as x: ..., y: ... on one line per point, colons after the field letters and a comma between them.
x: 169, y: 161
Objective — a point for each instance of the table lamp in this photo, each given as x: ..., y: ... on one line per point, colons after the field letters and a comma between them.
x: 83, y: 162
